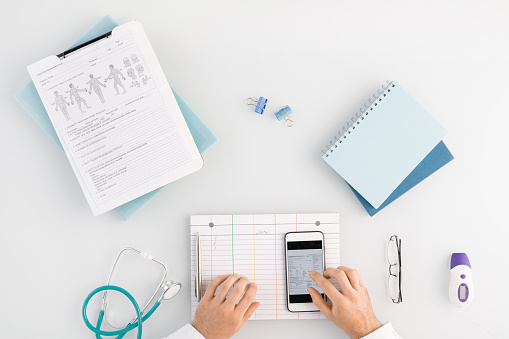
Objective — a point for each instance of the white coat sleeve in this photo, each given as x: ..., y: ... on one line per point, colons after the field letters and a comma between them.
x: 384, y: 332
x: 189, y: 332
x: 186, y: 332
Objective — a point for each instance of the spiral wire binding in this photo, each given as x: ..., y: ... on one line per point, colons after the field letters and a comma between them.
x: 369, y: 107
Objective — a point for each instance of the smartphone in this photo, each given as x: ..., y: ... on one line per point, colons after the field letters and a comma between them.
x: 304, y: 251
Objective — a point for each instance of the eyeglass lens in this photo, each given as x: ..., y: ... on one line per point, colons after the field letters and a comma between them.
x: 394, y: 287
x: 392, y: 251
x: 393, y: 257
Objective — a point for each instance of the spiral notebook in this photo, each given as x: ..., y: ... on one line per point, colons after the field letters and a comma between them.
x: 385, y: 142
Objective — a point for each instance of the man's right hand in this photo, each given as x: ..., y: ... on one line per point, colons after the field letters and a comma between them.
x: 219, y: 316
x: 351, y: 308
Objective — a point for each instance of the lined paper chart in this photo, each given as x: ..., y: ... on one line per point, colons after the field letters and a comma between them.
x: 253, y: 246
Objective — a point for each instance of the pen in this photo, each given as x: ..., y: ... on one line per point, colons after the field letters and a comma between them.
x: 198, y: 282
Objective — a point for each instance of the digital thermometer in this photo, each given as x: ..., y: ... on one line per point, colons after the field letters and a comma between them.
x: 461, y: 287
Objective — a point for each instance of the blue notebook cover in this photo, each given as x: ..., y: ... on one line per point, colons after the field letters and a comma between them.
x: 31, y: 102
x: 385, y: 144
x: 438, y: 157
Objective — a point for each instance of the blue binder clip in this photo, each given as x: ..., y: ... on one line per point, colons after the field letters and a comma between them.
x: 259, y: 104
x: 284, y: 113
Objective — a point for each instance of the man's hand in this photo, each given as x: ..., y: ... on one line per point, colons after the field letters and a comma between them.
x: 220, y: 316
x: 351, y: 308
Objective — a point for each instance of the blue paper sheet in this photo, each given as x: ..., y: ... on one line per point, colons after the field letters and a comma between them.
x: 438, y: 157
x: 31, y: 102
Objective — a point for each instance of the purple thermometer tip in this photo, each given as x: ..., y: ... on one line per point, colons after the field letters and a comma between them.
x: 459, y: 259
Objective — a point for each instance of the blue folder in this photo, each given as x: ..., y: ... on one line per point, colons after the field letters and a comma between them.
x: 438, y: 157
x: 31, y: 102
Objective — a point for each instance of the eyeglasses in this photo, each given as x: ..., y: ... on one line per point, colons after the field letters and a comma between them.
x: 394, y: 258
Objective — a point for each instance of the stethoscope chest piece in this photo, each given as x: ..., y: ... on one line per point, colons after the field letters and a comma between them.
x: 170, y: 289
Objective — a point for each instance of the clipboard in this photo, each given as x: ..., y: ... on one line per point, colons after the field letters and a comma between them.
x: 28, y: 98
x: 158, y: 78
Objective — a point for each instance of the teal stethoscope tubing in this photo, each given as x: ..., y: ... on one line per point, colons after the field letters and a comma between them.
x: 119, y: 333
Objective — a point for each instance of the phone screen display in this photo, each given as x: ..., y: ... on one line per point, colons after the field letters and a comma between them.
x: 303, y: 256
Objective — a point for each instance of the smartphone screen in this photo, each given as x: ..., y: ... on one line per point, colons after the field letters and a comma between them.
x: 303, y: 256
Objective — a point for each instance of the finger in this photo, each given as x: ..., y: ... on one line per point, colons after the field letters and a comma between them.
x: 353, y: 276
x: 211, y: 289
x: 319, y: 302
x: 226, y: 286
x: 325, y: 285
x: 250, y: 311
x: 344, y: 284
x: 247, y: 298
x: 237, y: 291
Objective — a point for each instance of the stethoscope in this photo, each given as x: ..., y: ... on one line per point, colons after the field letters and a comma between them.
x: 165, y: 290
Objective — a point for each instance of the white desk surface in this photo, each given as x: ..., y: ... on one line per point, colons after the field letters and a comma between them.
x: 324, y: 59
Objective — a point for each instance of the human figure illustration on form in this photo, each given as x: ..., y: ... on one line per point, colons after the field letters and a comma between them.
x: 127, y: 63
x: 114, y: 74
x: 74, y: 92
x: 143, y: 77
x: 60, y: 102
x: 95, y: 83
x: 132, y: 75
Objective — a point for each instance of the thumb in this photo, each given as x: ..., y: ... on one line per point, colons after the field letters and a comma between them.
x: 319, y: 302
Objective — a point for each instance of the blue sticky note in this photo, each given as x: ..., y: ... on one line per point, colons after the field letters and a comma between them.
x: 31, y: 102
x: 438, y: 157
